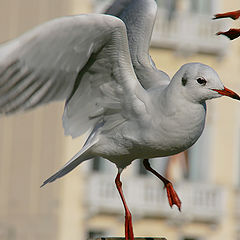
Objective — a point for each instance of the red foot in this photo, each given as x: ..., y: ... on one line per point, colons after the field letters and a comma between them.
x: 234, y: 15
x: 128, y: 228
x: 172, y: 196
x: 171, y: 193
x: 231, y: 33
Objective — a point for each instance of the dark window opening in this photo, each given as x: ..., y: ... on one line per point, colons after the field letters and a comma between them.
x: 190, y: 238
x: 93, y: 234
x: 141, y: 169
x: 96, y: 164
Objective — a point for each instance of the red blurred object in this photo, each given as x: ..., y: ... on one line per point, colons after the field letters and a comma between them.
x: 231, y: 33
x: 234, y: 15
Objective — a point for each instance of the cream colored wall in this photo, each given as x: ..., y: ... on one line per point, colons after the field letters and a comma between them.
x: 73, y: 213
x: 33, y: 146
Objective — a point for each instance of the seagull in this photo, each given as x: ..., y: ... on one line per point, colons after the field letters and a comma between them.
x: 113, y: 91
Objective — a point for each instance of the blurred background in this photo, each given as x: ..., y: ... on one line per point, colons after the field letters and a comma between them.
x: 85, y: 203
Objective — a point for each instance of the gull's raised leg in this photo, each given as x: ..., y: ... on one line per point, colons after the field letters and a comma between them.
x: 171, y: 193
x: 128, y: 217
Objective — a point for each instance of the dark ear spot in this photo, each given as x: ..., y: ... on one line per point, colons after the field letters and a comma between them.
x: 184, y: 80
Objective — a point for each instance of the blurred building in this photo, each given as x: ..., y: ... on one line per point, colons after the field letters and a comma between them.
x: 85, y: 203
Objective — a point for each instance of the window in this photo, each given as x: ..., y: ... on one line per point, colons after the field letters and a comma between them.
x: 141, y: 169
x: 238, y: 171
x: 170, y: 6
x: 201, y: 6
x: 190, y: 238
x: 237, y: 164
x: 199, y: 157
x: 195, y: 6
x: 167, y: 4
x: 177, y: 167
x: 93, y: 234
x: 159, y: 164
x: 100, y: 6
x: 96, y: 164
x: 99, y: 164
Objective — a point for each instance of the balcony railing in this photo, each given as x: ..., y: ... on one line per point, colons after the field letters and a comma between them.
x: 146, y: 197
x: 185, y: 31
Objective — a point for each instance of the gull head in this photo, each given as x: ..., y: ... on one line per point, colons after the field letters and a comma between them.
x: 199, y: 82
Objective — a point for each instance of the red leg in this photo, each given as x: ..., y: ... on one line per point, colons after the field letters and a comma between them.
x: 232, y: 33
x: 171, y: 193
x: 128, y: 217
x: 234, y: 15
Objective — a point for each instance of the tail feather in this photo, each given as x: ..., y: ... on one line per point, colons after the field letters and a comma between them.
x: 80, y: 157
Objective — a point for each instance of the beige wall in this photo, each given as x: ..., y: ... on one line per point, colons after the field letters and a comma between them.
x: 33, y: 146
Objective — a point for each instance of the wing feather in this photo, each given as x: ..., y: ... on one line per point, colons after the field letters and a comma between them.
x: 82, y: 59
x: 139, y: 18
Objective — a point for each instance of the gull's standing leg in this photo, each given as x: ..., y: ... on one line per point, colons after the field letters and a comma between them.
x: 128, y: 217
x: 171, y: 193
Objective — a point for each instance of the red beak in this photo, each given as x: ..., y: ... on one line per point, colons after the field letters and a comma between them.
x: 228, y: 92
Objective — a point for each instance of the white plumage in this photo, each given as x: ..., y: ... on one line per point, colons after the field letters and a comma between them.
x: 101, y: 66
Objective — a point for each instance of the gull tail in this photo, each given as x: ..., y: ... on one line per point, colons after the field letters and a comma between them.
x: 80, y: 157
x: 83, y: 155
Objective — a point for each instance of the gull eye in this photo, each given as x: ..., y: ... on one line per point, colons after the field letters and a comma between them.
x: 201, y: 81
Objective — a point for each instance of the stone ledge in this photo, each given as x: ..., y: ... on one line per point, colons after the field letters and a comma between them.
x: 137, y: 238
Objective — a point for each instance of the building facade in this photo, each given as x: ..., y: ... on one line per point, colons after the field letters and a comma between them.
x: 85, y: 203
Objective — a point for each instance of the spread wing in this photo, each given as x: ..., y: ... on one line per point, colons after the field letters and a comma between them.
x: 117, y: 8
x: 139, y: 18
x: 83, y: 59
